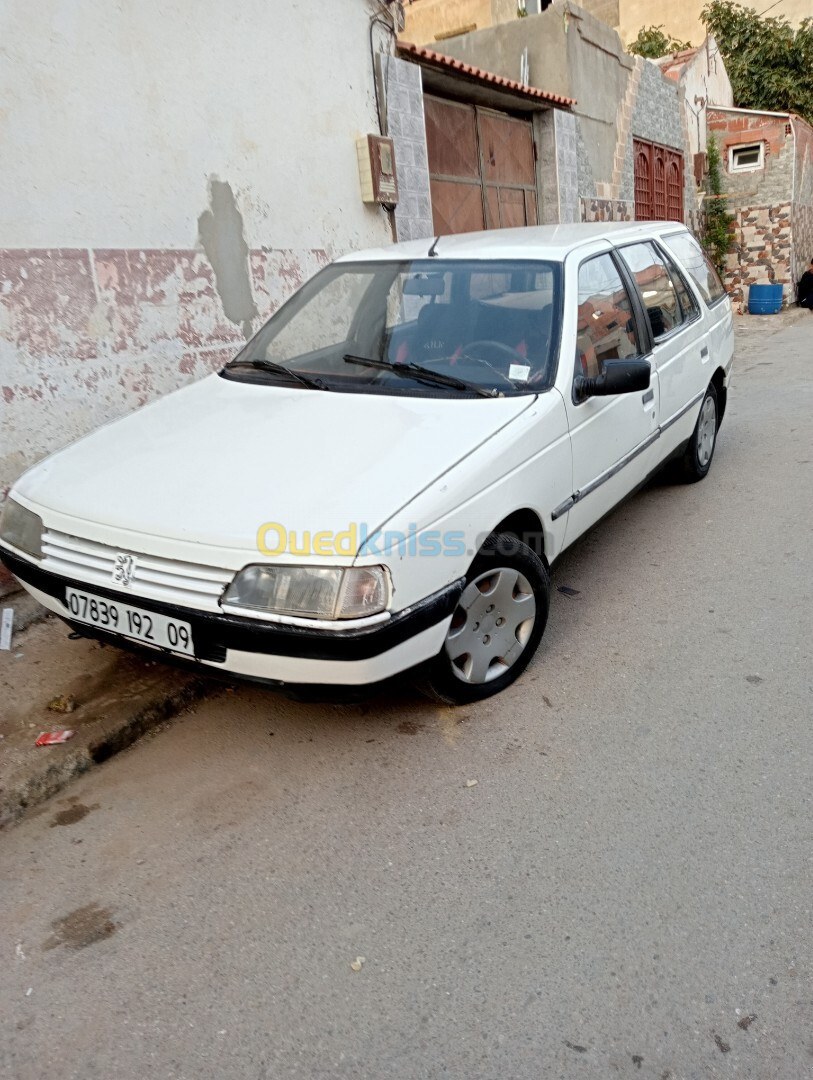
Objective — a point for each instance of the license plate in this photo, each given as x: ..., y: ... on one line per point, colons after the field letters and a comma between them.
x: 131, y: 622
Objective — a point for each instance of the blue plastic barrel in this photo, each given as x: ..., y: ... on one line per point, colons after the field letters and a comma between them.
x: 764, y: 299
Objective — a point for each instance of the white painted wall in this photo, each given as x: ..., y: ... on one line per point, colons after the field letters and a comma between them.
x: 114, y: 117
x: 705, y: 77
x: 114, y: 114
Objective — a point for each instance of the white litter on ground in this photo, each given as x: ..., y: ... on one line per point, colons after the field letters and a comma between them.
x: 5, y: 628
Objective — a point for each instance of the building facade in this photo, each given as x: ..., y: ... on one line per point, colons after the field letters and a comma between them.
x: 428, y: 21
x: 681, y: 21
x: 171, y: 174
x: 767, y: 161
x: 627, y: 115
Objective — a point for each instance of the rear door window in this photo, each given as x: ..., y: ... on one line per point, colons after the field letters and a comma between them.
x: 655, y: 284
x: 696, y: 262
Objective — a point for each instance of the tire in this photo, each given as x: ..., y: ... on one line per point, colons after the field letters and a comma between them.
x: 507, y: 581
x: 697, y: 458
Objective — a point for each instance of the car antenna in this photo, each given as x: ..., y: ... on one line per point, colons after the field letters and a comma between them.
x: 432, y: 253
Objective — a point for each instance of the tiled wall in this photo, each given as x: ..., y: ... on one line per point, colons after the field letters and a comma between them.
x: 407, y: 127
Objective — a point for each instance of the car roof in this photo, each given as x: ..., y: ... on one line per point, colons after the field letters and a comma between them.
x: 532, y: 242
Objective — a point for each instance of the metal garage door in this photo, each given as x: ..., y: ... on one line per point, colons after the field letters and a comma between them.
x: 481, y: 168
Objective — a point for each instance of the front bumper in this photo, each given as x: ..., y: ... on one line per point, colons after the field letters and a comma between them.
x: 273, y: 652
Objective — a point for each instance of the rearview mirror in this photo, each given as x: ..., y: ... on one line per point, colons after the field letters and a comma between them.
x: 425, y: 285
x: 618, y: 377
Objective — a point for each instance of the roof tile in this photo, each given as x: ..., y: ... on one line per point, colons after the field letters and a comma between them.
x: 438, y: 60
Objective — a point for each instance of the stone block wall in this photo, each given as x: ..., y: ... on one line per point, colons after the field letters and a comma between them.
x: 761, y: 251
x: 802, y: 199
x: 557, y: 166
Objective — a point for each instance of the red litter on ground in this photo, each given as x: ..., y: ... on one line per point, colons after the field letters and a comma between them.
x: 53, y: 738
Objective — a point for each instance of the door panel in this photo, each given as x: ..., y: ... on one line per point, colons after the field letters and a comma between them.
x: 678, y: 334
x: 506, y: 147
x: 451, y: 136
x: 612, y: 438
x: 512, y: 208
x: 456, y: 207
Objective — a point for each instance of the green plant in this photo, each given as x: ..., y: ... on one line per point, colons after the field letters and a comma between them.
x: 718, y: 221
x: 653, y: 43
x: 770, y: 64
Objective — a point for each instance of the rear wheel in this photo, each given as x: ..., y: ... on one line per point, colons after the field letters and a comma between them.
x: 496, y: 626
x: 696, y: 460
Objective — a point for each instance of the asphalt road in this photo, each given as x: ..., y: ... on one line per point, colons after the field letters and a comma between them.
x: 626, y: 891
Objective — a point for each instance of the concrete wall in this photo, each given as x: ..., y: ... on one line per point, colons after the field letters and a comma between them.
x: 679, y: 20
x: 428, y: 21
x: 171, y: 173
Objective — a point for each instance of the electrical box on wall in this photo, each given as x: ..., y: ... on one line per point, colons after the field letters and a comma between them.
x: 379, y: 182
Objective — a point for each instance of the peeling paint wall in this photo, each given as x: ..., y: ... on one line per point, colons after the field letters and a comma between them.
x: 170, y: 176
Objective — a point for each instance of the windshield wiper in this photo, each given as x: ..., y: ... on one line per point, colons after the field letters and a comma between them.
x: 415, y: 371
x: 280, y: 369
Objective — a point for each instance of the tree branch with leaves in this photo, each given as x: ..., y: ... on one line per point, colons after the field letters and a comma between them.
x: 652, y: 42
x: 770, y: 64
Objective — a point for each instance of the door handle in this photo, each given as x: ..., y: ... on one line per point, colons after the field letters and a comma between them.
x: 704, y: 353
x: 648, y: 396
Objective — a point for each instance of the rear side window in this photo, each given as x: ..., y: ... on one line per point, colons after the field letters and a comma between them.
x: 605, y: 324
x: 655, y: 284
x: 692, y: 256
x: 688, y: 301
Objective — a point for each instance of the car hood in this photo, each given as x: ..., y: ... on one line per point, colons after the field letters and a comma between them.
x: 215, y: 461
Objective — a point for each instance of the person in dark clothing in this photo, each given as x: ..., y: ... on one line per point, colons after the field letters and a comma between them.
x: 804, y: 292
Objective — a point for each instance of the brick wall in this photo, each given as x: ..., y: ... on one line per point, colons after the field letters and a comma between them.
x: 772, y: 183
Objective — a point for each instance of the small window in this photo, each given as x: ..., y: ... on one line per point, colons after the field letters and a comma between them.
x: 745, y: 158
x: 693, y: 258
x: 655, y: 286
x: 605, y: 326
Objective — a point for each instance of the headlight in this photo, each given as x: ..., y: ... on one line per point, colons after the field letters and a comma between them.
x: 22, y: 529
x: 310, y: 591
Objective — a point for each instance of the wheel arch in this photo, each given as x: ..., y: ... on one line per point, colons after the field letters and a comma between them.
x: 527, y: 526
x: 718, y: 381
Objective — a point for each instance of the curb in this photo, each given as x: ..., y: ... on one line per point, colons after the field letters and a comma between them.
x: 119, y: 698
x: 30, y: 788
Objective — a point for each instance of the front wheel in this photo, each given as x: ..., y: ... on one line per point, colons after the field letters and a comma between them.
x: 696, y: 460
x: 496, y: 626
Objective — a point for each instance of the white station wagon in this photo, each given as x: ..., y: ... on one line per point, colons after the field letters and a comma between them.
x: 382, y: 477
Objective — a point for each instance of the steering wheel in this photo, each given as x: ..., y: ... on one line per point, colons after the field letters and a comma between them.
x: 513, y: 356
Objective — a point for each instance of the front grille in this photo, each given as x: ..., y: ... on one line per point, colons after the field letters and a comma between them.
x: 166, y: 580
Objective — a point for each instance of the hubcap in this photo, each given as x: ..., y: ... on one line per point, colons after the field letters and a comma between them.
x: 491, y: 625
x: 706, y: 431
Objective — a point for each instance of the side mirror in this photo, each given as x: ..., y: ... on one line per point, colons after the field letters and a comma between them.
x: 618, y: 377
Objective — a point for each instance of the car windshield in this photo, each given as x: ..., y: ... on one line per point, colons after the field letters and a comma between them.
x: 427, y: 327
